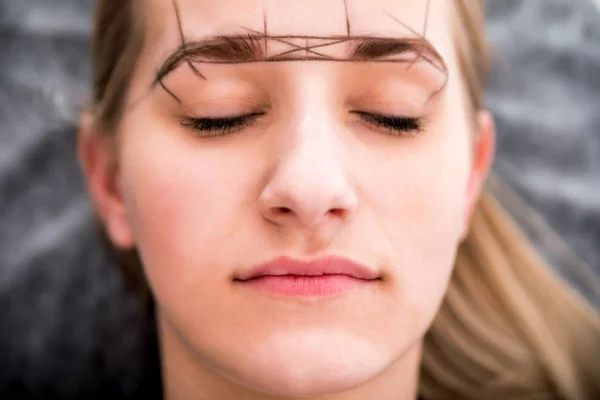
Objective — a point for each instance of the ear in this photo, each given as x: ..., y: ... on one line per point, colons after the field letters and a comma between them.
x: 98, y: 162
x: 484, y: 150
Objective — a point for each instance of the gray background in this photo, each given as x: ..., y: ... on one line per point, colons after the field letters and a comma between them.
x: 67, y: 327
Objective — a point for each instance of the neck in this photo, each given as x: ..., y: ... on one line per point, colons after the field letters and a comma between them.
x: 186, y: 376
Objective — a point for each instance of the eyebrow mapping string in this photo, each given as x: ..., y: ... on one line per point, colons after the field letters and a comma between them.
x: 348, y: 30
x: 265, y: 25
x: 296, y: 48
x: 424, y: 31
x: 182, y: 37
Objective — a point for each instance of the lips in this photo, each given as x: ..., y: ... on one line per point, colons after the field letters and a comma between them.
x: 313, y: 268
x: 323, y: 277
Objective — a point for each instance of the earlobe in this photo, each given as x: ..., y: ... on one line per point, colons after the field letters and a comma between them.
x: 484, y: 150
x: 99, y: 168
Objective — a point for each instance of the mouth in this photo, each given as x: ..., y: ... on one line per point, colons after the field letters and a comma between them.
x: 320, y: 277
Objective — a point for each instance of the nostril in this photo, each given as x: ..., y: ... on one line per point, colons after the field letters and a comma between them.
x: 282, y: 210
x: 338, y: 212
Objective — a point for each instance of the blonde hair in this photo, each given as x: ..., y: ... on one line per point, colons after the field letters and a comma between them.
x: 509, y: 328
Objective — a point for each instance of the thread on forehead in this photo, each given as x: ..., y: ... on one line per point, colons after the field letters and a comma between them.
x: 404, y: 25
x: 249, y: 44
x: 424, y: 34
x: 265, y: 26
x: 308, y: 48
x: 215, y: 52
x: 413, y: 31
x: 348, y: 30
x: 182, y: 38
x: 427, y: 8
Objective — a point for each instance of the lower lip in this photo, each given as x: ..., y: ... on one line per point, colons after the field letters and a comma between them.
x: 306, y: 286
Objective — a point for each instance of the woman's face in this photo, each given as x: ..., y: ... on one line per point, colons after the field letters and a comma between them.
x: 298, y: 166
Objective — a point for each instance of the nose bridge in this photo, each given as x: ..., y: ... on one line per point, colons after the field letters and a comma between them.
x: 313, y: 143
x: 311, y: 146
x: 313, y: 163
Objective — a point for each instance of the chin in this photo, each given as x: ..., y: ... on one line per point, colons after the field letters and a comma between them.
x: 310, y: 364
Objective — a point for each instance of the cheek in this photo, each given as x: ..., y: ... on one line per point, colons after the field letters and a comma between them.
x: 183, y: 204
x: 420, y: 206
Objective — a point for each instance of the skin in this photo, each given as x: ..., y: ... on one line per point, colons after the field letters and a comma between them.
x: 201, y: 209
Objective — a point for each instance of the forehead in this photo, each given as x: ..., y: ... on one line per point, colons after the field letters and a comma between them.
x: 392, y: 18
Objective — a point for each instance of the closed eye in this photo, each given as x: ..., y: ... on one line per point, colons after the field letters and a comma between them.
x: 220, y: 126
x: 396, y: 125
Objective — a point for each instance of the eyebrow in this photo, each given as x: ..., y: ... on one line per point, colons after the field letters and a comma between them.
x: 249, y: 48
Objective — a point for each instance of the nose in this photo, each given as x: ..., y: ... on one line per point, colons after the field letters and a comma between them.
x: 309, y: 185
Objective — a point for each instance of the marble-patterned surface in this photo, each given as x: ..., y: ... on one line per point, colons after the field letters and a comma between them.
x: 67, y: 329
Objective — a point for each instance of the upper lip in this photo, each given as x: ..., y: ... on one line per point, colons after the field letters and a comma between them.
x: 315, y: 267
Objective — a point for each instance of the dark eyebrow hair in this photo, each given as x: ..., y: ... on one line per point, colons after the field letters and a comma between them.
x: 251, y: 47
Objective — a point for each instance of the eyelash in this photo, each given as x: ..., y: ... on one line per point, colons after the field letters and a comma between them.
x: 220, y: 126
x: 394, y: 125
x: 209, y: 127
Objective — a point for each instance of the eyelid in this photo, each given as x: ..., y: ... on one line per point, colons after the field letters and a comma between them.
x: 222, y: 107
x: 390, y: 104
x: 220, y: 126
